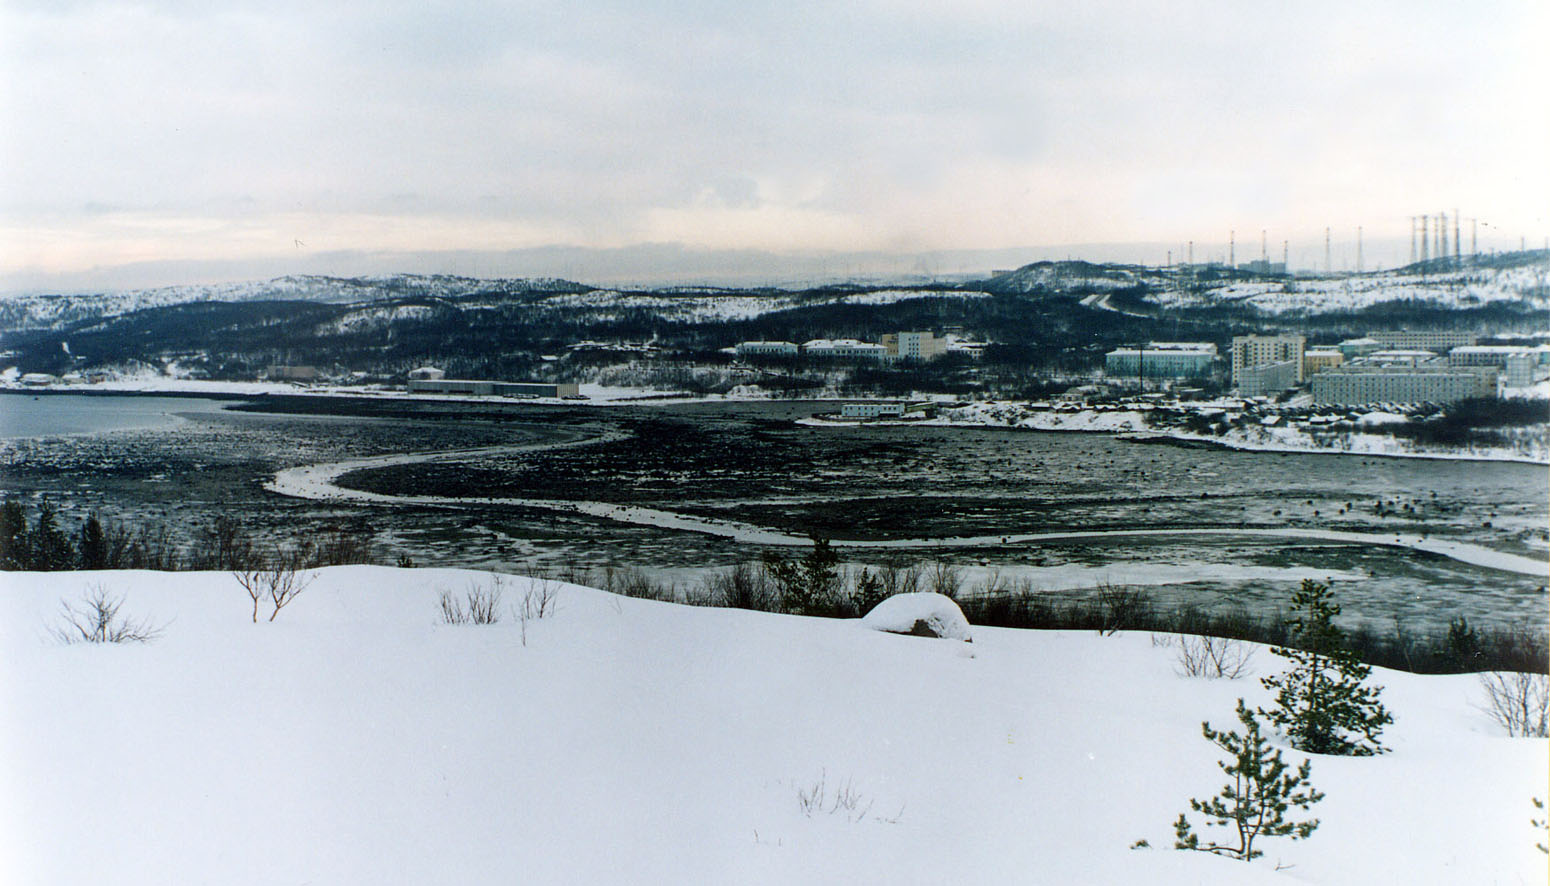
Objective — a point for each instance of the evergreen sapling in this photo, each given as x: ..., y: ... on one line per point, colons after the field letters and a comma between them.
x: 1321, y: 704
x: 1256, y: 801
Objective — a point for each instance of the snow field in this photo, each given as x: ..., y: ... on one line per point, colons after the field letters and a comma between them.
x: 356, y: 739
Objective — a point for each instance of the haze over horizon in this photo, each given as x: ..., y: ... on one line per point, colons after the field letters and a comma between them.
x: 164, y: 142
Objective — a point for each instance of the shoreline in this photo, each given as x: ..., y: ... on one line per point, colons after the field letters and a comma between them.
x: 319, y: 482
x: 1096, y: 421
x: 1171, y: 437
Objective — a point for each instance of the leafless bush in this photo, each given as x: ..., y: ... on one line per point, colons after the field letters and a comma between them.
x: 96, y: 619
x: 1517, y: 701
x: 1120, y: 608
x: 945, y: 579
x: 574, y: 573
x: 899, y: 577
x: 844, y: 800
x: 538, y: 601
x: 635, y: 583
x: 1215, y: 658
x: 277, y: 578
x: 743, y: 586
x: 480, y: 605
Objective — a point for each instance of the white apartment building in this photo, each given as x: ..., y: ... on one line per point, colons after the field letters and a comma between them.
x: 1249, y: 351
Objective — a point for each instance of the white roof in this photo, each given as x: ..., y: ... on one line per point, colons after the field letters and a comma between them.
x: 842, y: 343
x: 1198, y: 347
x: 1495, y: 349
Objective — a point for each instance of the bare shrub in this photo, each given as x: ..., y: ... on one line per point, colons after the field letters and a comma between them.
x: 573, y: 573
x: 277, y: 578
x: 743, y: 586
x: 1517, y: 701
x: 945, y: 578
x: 539, y: 601
x: 1121, y: 608
x: 96, y: 619
x: 634, y: 583
x: 480, y: 605
x: 843, y: 799
x: 899, y: 577
x: 1214, y: 658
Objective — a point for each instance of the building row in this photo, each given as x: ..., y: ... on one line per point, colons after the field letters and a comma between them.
x: 1396, y: 366
x: 894, y: 346
x: 486, y: 388
x: 1162, y: 360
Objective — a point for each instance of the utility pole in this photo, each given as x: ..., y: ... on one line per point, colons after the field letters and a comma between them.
x: 1285, y: 266
x: 1425, y: 238
x: 1328, y: 268
x: 1232, y: 249
x: 1358, y: 249
x: 1412, y: 239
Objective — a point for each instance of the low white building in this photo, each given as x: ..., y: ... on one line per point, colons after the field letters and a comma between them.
x: 767, y: 349
x: 844, y: 348
x: 426, y: 373
x: 871, y: 409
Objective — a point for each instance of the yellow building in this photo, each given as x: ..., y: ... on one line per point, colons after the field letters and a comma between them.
x: 1318, y: 360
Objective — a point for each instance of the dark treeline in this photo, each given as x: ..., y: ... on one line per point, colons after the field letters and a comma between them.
x: 815, y: 584
x: 44, y: 545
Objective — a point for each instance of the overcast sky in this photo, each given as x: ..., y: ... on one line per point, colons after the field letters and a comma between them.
x: 274, y: 132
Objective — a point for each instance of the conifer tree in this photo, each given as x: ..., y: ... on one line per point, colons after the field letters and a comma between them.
x: 1255, y: 803
x: 1321, y: 704
x: 93, y: 544
x: 15, y: 551
x: 51, y: 550
x: 807, y: 585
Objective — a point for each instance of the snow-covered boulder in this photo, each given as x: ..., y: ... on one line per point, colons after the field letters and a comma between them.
x: 923, y: 615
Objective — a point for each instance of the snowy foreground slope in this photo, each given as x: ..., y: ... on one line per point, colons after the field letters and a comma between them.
x: 358, y: 740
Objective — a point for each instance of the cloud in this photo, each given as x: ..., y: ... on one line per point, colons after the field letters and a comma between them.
x: 759, y: 125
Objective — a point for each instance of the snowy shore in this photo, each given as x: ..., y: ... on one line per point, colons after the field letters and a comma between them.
x: 358, y: 739
x: 1278, y: 436
x: 1533, y: 447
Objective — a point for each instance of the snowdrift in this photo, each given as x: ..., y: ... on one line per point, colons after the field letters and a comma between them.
x: 357, y: 739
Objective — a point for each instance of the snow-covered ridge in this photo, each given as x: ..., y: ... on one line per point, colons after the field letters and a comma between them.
x: 1463, y: 288
x: 57, y: 311
x: 699, y: 306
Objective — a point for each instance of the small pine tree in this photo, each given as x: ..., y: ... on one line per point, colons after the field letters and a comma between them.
x: 93, y: 544
x: 51, y: 550
x: 807, y: 586
x: 15, y: 551
x: 1321, y: 704
x: 1256, y: 801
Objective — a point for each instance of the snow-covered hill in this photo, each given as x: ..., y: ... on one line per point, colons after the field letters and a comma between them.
x: 1072, y: 276
x: 58, y: 311
x: 357, y: 739
x: 1464, y: 288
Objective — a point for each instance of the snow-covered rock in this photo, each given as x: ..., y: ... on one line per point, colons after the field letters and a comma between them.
x: 922, y: 615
